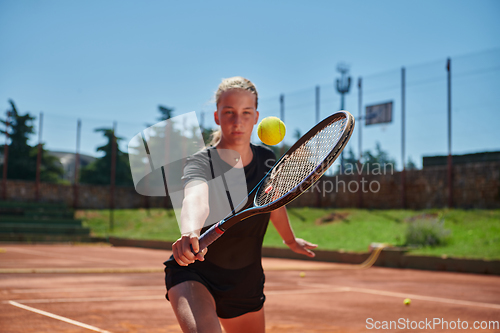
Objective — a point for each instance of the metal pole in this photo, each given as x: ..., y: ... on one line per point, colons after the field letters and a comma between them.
x: 77, y: 164
x: 165, y: 169
x: 403, y: 137
x: 342, y: 153
x: 282, y: 117
x: 360, y: 109
x: 450, y: 160
x: 317, y: 104
x: 148, y: 168
x: 343, y: 85
x: 5, y: 157
x: 38, y: 159
x: 282, y: 107
x: 318, y: 196
x: 113, y: 174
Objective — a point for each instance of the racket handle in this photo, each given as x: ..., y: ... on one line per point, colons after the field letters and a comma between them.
x: 210, y: 236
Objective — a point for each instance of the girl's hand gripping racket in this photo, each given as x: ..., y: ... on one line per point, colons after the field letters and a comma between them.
x: 297, y: 170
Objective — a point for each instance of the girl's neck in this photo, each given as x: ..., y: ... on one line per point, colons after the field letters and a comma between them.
x: 244, y: 151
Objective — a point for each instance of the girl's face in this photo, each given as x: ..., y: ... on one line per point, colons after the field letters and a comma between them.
x: 236, y: 114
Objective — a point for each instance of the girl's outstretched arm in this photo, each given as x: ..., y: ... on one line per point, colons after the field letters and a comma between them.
x: 194, y: 212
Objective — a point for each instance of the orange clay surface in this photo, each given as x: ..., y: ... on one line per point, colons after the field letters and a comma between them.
x: 118, y: 289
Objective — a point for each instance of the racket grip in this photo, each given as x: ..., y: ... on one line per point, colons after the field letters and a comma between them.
x: 210, y: 236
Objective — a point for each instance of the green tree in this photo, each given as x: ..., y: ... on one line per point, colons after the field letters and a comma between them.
x: 379, y: 158
x: 410, y: 165
x: 21, y: 165
x: 165, y: 112
x: 51, y: 170
x: 21, y: 156
x: 350, y: 158
x: 350, y: 162
x: 99, y: 171
x: 206, y: 132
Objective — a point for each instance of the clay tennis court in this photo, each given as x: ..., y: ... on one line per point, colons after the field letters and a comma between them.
x: 85, y: 288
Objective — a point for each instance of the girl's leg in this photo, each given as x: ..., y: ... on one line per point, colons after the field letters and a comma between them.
x: 194, y: 308
x: 252, y: 322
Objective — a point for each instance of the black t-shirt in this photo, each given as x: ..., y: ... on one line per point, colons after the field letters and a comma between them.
x: 240, y: 245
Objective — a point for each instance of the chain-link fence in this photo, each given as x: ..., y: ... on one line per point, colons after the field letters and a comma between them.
x: 475, y: 82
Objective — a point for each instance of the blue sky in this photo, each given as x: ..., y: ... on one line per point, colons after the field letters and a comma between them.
x: 105, y: 61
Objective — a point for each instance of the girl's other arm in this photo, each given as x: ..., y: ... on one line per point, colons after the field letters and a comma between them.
x: 279, y: 218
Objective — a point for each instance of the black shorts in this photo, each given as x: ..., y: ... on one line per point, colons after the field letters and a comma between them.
x: 235, y: 291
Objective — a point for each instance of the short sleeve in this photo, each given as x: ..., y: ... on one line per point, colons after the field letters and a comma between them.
x: 197, y: 168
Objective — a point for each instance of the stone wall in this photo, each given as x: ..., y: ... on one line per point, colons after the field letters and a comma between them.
x: 89, y: 196
x: 474, y: 186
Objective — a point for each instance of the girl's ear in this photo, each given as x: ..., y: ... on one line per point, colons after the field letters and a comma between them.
x: 216, y: 117
x: 257, y: 117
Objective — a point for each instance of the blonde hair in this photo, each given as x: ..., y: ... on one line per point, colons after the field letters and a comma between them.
x: 235, y: 82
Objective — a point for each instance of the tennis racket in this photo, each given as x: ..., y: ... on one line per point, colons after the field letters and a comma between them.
x: 297, y: 170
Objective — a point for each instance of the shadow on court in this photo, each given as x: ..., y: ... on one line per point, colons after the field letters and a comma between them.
x: 82, y: 288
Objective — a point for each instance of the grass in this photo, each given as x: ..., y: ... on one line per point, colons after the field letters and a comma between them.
x: 474, y: 233
x: 157, y: 224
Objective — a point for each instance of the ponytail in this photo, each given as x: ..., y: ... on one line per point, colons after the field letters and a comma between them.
x: 215, y: 137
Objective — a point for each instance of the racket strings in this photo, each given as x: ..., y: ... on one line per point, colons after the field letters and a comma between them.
x: 295, y: 168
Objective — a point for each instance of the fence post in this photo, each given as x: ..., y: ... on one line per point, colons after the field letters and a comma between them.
x: 360, y: 126
x: 5, y: 157
x: 38, y: 159
x: 77, y: 163
x: 403, y: 137
x: 450, y: 160
x: 113, y: 174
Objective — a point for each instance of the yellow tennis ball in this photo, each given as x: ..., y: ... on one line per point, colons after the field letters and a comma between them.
x: 271, y: 131
x: 302, y: 274
x: 407, y: 301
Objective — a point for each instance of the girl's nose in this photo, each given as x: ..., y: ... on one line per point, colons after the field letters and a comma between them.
x: 237, y: 119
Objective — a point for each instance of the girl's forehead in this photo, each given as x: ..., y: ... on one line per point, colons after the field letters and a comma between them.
x: 237, y: 96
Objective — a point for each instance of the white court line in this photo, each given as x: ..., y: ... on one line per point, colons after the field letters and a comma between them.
x: 405, y: 295
x: 423, y: 298
x: 51, y: 315
x: 58, y: 255
x: 90, y: 270
x: 324, y: 289
x: 78, y: 289
x: 90, y: 299
x: 304, y: 291
x: 319, y: 285
x: 157, y: 297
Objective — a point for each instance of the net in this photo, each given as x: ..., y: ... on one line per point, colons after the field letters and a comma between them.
x: 302, y: 162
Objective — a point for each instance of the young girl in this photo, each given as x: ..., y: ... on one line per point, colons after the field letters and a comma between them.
x: 225, y: 284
